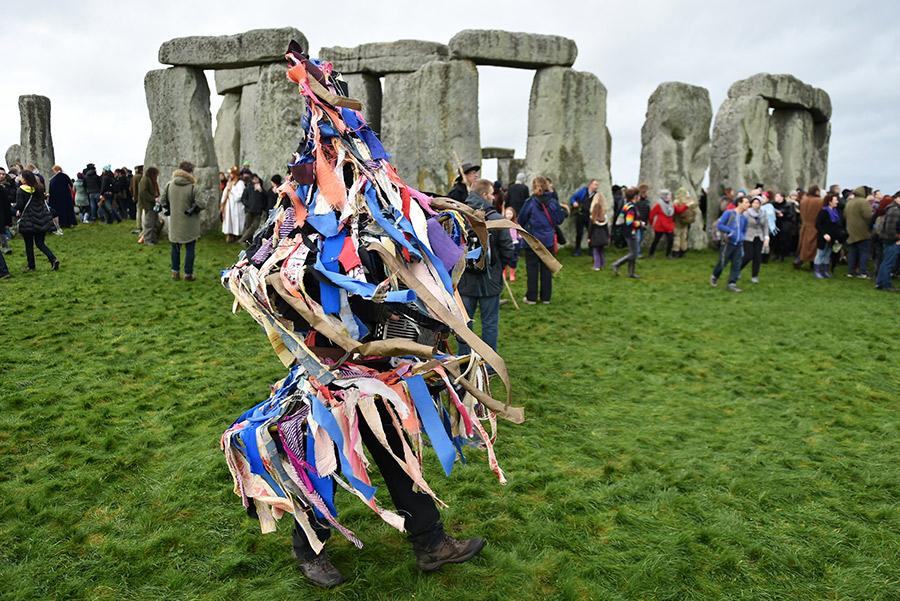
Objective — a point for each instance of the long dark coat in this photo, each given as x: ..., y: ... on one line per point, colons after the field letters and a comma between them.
x: 61, y: 201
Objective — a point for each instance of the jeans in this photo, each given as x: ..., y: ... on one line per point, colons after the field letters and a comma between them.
x: 422, y: 523
x: 490, y: 319
x: 891, y: 250
x: 599, y: 253
x: 32, y: 240
x: 537, y: 272
x: 753, y: 252
x: 188, y: 257
x: 634, y: 247
x: 858, y: 257
x: 823, y: 256
x: 640, y: 240
x: 670, y: 238
x: 735, y: 254
x: 109, y: 211
x: 94, y: 199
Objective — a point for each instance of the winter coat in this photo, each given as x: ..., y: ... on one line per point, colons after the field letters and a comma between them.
x: 458, y: 192
x: 7, y: 197
x: 663, y: 223
x: 91, y: 181
x: 81, y: 197
x: 809, y: 212
x: 581, y: 198
x: 180, y: 194
x: 254, y: 200
x: 534, y: 220
x: 108, y: 185
x: 490, y: 281
x: 35, y: 217
x: 824, y: 225
x: 757, y: 225
x: 787, y: 222
x: 136, y: 186
x: 516, y: 196
x: 891, y: 230
x: 146, y: 194
x: 61, y: 199
x: 858, y: 214
x: 598, y: 235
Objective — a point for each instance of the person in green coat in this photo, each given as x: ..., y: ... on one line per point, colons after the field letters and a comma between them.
x: 179, y: 197
x: 858, y: 215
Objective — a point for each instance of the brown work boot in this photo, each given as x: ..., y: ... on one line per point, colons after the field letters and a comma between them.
x: 320, y: 571
x: 448, y: 550
x: 176, y: 275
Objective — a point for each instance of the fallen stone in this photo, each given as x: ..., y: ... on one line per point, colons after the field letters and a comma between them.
x: 367, y: 89
x: 675, y: 144
x: 567, y: 136
x: 227, y: 139
x: 492, y: 152
x: 428, y: 116
x: 232, y: 80
x: 254, y: 47
x: 181, y: 130
x: 13, y: 155
x: 381, y: 58
x: 513, y: 49
x: 785, y: 91
x: 34, y: 133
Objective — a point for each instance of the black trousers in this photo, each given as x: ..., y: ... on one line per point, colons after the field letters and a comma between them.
x: 537, y: 273
x: 580, y: 222
x: 753, y: 252
x: 32, y: 240
x: 423, y: 521
x: 670, y: 238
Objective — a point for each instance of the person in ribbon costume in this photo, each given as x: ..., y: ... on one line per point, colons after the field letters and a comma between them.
x: 353, y: 277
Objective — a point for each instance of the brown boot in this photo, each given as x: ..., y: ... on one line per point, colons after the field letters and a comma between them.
x: 320, y: 571
x: 176, y: 275
x: 448, y: 550
x: 189, y: 277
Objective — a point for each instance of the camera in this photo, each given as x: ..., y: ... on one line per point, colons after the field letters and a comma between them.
x: 193, y: 210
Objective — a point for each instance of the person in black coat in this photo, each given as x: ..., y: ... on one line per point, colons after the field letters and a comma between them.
x: 35, y: 219
x: 108, y: 203
x: 255, y: 201
x: 7, y: 198
x: 62, y: 204
x: 828, y: 232
x: 460, y: 190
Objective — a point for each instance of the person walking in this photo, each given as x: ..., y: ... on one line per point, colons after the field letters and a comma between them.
x: 662, y: 219
x: 828, y: 233
x: 180, y: 197
x: 858, y: 216
x: 580, y: 209
x: 481, y: 284
x: 539, y: 217
x: 230, y: 208
x: 35, y: 219
x: 889, y: 235
x: 810, y: 207
x: 733, y: 228
x: 598, y: 232
x: 756, y: 240
x: 148, y: 192
x: 61, y: 202
x: 630, y: 221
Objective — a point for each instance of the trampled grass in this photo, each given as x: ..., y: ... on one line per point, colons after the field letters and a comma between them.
x: 681, y: 443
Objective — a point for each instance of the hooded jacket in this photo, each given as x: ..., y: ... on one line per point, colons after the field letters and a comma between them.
x: 180, y: 194
x: 35, y: 215
x: 490, y: 281
x: 858, y: 214
x: 534, y: 220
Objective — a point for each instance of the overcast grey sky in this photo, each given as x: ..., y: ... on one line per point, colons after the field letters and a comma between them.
x: 90, y: 58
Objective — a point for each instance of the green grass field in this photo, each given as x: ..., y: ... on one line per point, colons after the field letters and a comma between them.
x: 681, y: 442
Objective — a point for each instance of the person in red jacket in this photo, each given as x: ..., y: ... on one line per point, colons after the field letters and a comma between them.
x: 662, y: 218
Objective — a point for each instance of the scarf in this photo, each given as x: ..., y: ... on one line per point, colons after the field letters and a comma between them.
x: 667, y: 208
x: 833, y: 213
x: 754, y: 214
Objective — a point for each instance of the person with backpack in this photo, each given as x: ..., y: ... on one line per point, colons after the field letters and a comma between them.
x: 629, y: 220
x: 888, y: 230
x: 34, y: 219
x: 733, y: 228
x: 540, y: 217
x: 481, y: 284
x: 179, y: 198
x: 686, y: 211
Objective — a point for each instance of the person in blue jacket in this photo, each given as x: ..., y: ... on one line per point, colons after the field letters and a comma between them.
x: 733, y: 226
x: 580, y: 203
x: 539, y: 217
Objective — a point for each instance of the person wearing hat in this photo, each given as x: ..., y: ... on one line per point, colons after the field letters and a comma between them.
x: 460, y: 190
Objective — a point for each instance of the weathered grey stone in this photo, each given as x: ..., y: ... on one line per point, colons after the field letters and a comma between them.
x: 507, y: 169
x: 247, y: 116
x: 675, y: 144
x: 254, y: 47
x: 381, y: 58
x: 513, y: 49
x: 427, y: 116
x: 790, y: 166
x: 13, y: 155
x: 785, y: 91
x: 34, y: 133
x: 818, y: 169
x: 493, y: 152
x: 567, y: 135
x: 181, y: 130
x: 279, y: 111
x: 367, y: 89
x: 232, y: 80
x: 227, y: 138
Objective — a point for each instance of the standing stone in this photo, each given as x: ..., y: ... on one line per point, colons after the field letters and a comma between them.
x: 34, y: 134
x: 675, y: 144
x: 227, y: 138
x: 254, y: 47
x: 818, y: 169
x: 232, y: 80
x: 794, y: 134
x: 567, y: 135
x: 247, y: 117
x: 13, y: 155
x: 427, y: 116
x: 367, y: 89
x: 181, y: 130
x: 512, y: 49
x: 785, y: 91
x: 381, y: 58
x: 279, y: 110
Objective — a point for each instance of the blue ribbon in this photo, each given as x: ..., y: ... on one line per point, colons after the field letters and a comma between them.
x: 389, y: 228
x: 323, y: 486
x: 324, y: 418
x: 431, y: 421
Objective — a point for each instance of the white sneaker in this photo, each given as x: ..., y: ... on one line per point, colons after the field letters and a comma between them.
x: 754, y: 280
